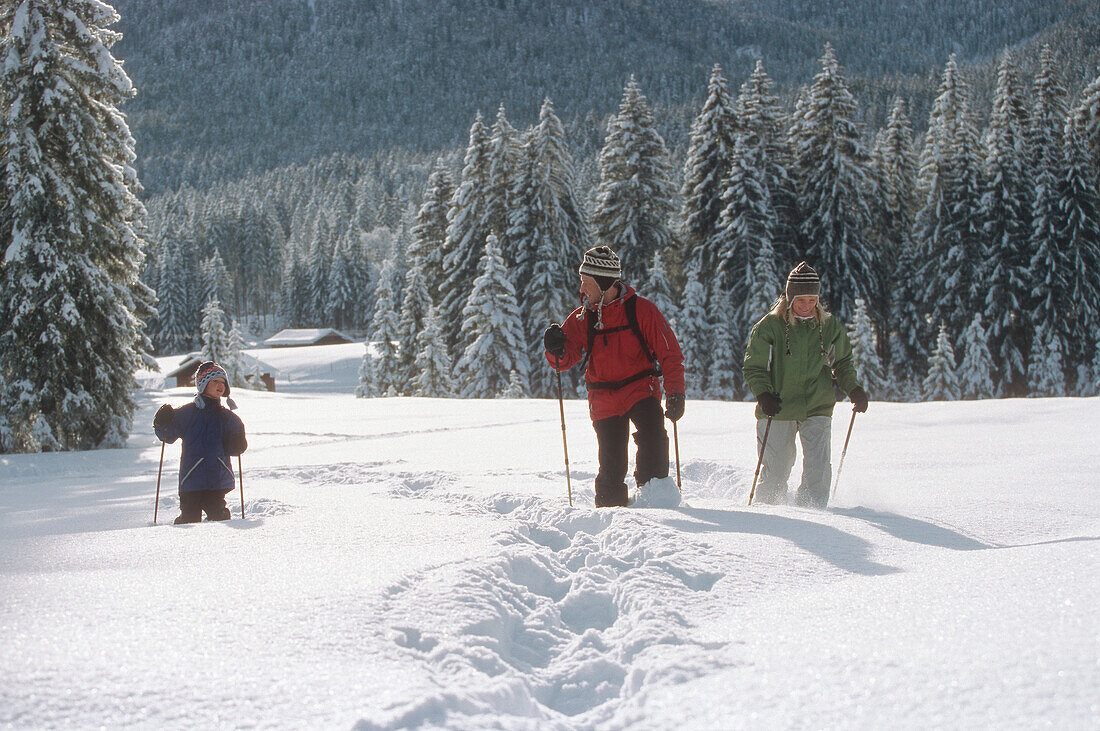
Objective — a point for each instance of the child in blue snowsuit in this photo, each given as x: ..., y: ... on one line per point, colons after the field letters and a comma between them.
x: 211, y: 435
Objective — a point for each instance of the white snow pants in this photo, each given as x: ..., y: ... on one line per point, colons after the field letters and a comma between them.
x: 815, y: 434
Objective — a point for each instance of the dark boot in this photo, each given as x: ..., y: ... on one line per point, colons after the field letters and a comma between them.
x: 214, y: 505
x: 190, y: 508
x: 611, y: 496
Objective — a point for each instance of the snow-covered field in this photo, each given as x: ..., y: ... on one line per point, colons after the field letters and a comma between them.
x: 415, y: 562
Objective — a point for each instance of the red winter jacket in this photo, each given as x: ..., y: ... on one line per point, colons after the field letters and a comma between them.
x: 618, y: 355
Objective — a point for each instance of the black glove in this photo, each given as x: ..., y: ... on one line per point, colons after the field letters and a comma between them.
x: 234, y: 444
x: 554, y: 340
x: 769, y: 403
x: 163, y: 417
x: 674, y: 406
x: 859, y: 399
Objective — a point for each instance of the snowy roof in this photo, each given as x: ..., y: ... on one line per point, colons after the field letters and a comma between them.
x: 307, y: 336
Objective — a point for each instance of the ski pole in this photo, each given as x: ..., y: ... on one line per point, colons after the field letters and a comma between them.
x: 676, y: 444
x: 564, y: 443
x: 760, y: 461
x: 156, y: 505
x: 844, y: 451
x: 240, y: 476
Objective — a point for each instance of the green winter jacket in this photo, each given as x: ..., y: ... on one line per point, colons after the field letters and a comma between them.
x: 803, y: 378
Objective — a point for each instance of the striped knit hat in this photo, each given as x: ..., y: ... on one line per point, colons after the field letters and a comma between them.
x: 601, y: 262
x: 803, y: 280
x: 207, y: 372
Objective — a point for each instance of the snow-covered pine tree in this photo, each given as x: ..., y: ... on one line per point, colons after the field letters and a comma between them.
x: 896, y: 168
x: 759, y: 114
x: 942, y: 382
x: 1045, y: 372
x: 1086, y: 121
x: 747, y: 225
x: 216, y: 232
x: 467, y: 228
x: 214, y: 335
x: 386, y: 369
x: 347, y: 284
x: 833, y: 173
x: 1095, y: 372
x: 977, y: 367
x: 293, y: 301
x: 1052, y: 310
x: 258, y: 250
x: 723, y: 378
x: 946, y: 226
x: 658, y: 289
x: 234, y: 357
x: 1079, y: 234
x: 1049, y: 110
x: 566, y: 211
x: 8, y: 441
x: 175, y: 323
x: 546, y: 300
x: 549, y: 220
x: 861, y: 331
x: 415, y: 303
x: 525, y: 227
x: 1048, y: 273
x: 693, y: 331
x: 505, y: 156
x: 491, y: 316
x: 368, y: 381
x: 216, y: 282
x: 635, y: 198
x: 764, y: 283
x: 41, y: 437
x: 433, y: 364
x: 319, y: 261
x: 430, y: 231
x: 896, y: 175
x: 1005, y: 213
x: 706, y: 166
x: 70, y: 223
x: 515, y: 388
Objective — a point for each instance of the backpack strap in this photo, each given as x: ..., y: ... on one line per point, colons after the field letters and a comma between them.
x: 630, y: 308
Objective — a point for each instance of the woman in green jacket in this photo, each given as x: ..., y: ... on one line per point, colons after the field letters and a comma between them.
x: 793, y: 355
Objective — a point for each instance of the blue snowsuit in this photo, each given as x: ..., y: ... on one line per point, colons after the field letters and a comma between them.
x: 211, y: 435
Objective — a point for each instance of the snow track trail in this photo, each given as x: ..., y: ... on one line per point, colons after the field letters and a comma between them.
x: 563, y: 625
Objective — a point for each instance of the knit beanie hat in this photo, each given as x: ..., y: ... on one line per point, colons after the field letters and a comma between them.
x: 207, y: 372
x: 603, y: 265
x: 803, y: 280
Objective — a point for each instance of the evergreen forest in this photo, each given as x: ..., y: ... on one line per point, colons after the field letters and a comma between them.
x: 426, y: 175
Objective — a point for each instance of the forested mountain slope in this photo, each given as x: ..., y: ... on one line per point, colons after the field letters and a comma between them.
x: 231, y: 86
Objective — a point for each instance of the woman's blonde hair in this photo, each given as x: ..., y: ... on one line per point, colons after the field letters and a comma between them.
x: 782, y: 308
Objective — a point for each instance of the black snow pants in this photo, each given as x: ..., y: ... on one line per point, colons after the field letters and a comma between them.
x: 650, y: 461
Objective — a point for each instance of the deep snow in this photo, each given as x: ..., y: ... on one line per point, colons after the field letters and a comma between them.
x: 412, y: 562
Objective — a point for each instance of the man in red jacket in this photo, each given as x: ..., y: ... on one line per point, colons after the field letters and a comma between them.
x: 628, y: 347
